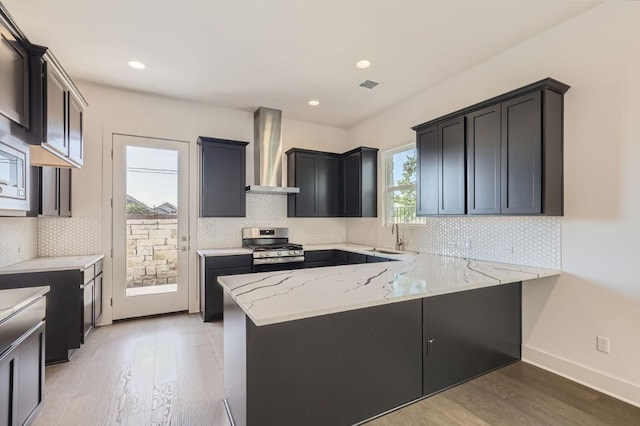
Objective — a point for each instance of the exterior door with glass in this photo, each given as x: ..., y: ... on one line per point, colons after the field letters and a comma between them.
x: 150, y: 226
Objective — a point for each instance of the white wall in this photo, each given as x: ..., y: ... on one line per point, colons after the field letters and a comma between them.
x: 119, y: 111
x: 599, y: 292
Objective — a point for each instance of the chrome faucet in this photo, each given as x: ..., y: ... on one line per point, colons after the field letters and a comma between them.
x: 399, y: 242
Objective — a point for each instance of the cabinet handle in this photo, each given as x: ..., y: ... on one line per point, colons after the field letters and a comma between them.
x: 430, y: 346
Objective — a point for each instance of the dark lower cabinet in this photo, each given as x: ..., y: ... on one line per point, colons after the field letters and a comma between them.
x: 222, y: 177
x: 212, y: 267
x: 22, y: 379
x: 336, y: 369
x: 469, y: 333
x: 71, y: 306
x: 355, y: 258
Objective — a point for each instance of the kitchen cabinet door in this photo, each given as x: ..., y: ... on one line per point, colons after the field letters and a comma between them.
x: 361, y: 182
x: 30, y: 375
x: 55, y: 191
x: 522, y: 155
x: 14, y: 84
x: 329, y: 185
x: 452, y: 193
x: 305, y: 170
x: 428, y: 183
x: 469, y: 333
x: 74, y: 134
x: 87, y: 312
x: 7, y: 368
x: 55, y: 113
x: 483, y: 161
x: 222, y: 177
x: 97, y: 305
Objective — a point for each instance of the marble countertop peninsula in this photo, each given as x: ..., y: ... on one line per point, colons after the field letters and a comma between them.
x: 42, y: 264
x: 273, y: 297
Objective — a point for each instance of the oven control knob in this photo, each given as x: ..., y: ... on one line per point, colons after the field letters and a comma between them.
x: 263, y: 254
x: 279, y: 253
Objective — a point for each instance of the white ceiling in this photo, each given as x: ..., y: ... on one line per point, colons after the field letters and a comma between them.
x: 281, y: 53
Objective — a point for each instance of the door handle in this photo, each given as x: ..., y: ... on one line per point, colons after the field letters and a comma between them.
x: 430, y: 346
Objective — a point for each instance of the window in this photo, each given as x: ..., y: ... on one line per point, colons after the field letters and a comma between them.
x: 400, y: 185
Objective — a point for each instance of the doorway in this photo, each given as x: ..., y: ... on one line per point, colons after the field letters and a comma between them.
x: 150, y: 226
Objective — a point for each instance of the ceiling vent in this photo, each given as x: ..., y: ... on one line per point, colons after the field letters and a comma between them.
x: 368, y: 84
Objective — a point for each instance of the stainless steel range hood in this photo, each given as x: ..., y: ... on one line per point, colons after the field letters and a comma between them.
x: 267, y: 151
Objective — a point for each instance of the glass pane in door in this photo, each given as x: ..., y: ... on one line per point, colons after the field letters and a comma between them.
x: 152, y: 220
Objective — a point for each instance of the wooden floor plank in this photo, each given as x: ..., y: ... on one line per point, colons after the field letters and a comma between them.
x: 168, y: 370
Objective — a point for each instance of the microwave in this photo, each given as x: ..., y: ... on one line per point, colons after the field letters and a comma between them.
x: 14, y: 176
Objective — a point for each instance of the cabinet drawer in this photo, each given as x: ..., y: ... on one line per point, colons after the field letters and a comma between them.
x: 318, y: 256
x: 89, y: 273
x: 216, y: 262
x: 15, y: 326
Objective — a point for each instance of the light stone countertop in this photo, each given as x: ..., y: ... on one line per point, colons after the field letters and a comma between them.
x: 42, y: 264
x: 12, y: 300
x: 274, y: 297
x: 223, y: 251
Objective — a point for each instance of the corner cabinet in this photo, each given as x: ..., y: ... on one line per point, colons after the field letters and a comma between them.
x: 511, y: 151
x: 319, y: 177
x: 222, y: 177
x: 441, y: 172
x: 361, y: 182
x: 333, y: 185
x: 57, y: 109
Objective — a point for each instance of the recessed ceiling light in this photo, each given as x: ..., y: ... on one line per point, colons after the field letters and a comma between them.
x: 136, y: 65
x: 363, y: 64
x: 313, y: 102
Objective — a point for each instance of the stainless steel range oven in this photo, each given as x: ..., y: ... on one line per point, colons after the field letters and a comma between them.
x: 272, y: 250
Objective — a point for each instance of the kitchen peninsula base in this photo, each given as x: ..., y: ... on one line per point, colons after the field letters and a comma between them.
x: 345, y: 368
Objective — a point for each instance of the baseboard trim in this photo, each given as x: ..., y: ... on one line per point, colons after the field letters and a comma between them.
x: 610, y: 385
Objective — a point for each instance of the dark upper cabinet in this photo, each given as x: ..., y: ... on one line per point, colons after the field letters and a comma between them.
x: 329, y: 181
x: 332, y: 185
x: 427, y: 188
x: 514, y: 155
x: 222, y: 177
x: 483, y: 161
x: 14, y: 81
x: 55, y: 191
x: 441, y: 173
x: 521, y: 185
x: 360, y: 182
x: 302, y: 172
x: 75, y: 130
x: 56, y: 110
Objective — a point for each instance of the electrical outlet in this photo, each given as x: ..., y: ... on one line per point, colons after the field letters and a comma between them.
x: 452, y: 244
x: 602, y: 344
x: 466, y: 244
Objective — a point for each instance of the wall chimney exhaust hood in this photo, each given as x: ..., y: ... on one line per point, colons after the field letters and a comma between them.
x: 267, y: 151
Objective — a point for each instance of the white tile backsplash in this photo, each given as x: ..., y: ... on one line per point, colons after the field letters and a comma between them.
x: 532, y: 241
x: 69, y: 236
x: 18, y: 239
x: 269, y: 210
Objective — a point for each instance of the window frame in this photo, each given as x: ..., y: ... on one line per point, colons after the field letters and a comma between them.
x: 388, y: 189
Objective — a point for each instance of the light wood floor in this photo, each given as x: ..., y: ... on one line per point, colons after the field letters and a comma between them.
x: 168, y: 371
